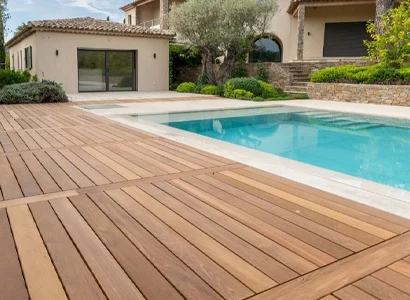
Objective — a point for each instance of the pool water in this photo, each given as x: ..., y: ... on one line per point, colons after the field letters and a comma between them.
x: 375, y: 149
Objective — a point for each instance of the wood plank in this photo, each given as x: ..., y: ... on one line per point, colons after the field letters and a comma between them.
x: 51, y: 140
x: 269, y: 266
x: 377, y: 231
x: 295, y: 218
x: 249, y: 275
x: 28, y: 140
x: 8, y: 182
x: 220, y: 280
x: 39, y: 139
x: 41, y: 278
x: 313, y: 216
x: 88, y: 171
x: 401, y: 267
x: 111, y: 277
x: 353, y: 293
x: 301, y: 233
x: 44, y: 180
x: 6, y: 143
x: 285, y: 256
x: 39, y: 198
x: 79, y: 178
x: 380, y: 290
x: 305, y: 250
x: 77, y: 279
x: 17, y: 141
x: 26, y: 180
x: 146, y: 277
x: 97, y: 165
x: 12, y: 285
x: 333, y: 277
x: 395, y: 279
x: 336, y: 199
x: 329, y: 297
x: 124, y: 172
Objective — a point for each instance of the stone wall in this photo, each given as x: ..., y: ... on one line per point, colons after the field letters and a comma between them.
x: 277, y: 76
x: 361, y: 93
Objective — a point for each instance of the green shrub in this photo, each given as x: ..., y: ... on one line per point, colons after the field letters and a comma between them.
x: 186, y: 87
x: 228, y: 89
x: 210, y: 90
x: 269, y: 91
x: 258, y: 99
x: 248, y: 84
x: 240, y: 70
x: 8, y: 77
x: 34, y: 78
x: 261, y: 73
x: 375, y: 74
x: 181, y: 56
x: 33, y: 92
x: 242, y: 94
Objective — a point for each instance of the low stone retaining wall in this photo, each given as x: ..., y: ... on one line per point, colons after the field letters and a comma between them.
x: 361, y: 93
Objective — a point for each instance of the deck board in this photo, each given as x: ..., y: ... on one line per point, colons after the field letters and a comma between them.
x: 150, y: 218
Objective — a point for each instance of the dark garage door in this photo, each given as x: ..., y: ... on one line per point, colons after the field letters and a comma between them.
x: 345, y: 39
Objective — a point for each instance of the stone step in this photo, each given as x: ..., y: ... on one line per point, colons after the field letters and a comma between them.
x: 301, y: 89
x: 300, y: 83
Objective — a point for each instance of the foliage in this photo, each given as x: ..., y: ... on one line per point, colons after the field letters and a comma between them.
x: 242, y: 94
x: 181, y: 56
x: 4, y: 16
x: 261, y: 73
x: 228, y: 89
x: 392, y: 46
x: 210, y: 90
x: 269, y: 91
x: 199, y: 23
x: 186, y: 87
x: 375, y: 74
x: 202, y: 79
x: 240, y: 70
x: 33, y: 92
x: 382, y: 7
x: 21, y: 27
x: 8, y: 77
x: 247, y: 84
x: 258, y: 99
x: 34, y: 78
x: 7, y: 60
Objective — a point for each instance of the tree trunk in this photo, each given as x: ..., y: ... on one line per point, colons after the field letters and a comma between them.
x: 207, y: 66
x: 382, y: 6
x: 226, y: 68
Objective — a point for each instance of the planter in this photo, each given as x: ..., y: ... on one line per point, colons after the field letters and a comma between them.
x: 361, y: 93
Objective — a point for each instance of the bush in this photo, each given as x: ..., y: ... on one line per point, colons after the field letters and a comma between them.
x: 210, y: 90
x: 242, y: 94
x: 181, y: 56
x: 376, y: 74
x: 240, y: 70
x: 258, y: 99
x: 248, y: 84
x: 8, y: 77
x: 269, y: 91
x: 392, y: 46
x: 186, y: 87
x: 261, y: 73
x: 33, y: 92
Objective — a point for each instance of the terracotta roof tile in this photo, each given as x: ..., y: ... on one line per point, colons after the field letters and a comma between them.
x: 90, y: 25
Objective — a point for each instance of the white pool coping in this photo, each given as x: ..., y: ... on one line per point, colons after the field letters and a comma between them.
x: 390, y: 199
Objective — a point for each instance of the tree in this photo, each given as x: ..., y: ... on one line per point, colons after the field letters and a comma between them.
x: 382, y: 7
x: 21, y: 27
x: 4, y: 16
x: 392, y: 46
x: 221, y: 28
x: 108, y: 18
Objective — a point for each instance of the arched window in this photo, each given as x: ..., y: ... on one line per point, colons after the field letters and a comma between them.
x: 266, y: 49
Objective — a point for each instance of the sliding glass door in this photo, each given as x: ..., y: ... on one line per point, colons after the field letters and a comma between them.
x: 106, y: 70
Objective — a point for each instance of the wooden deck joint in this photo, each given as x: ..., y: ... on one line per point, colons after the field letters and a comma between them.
x: 39, y: 198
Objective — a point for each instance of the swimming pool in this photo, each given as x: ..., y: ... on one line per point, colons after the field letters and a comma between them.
x: 373, y: 148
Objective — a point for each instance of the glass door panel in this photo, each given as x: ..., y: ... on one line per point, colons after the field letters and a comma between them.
x: 91, y: 71
x: 121, y: 71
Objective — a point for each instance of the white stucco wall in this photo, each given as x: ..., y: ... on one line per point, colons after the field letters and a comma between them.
x: 152, y: 74
x: 132, y: 13
x: 19, y: 48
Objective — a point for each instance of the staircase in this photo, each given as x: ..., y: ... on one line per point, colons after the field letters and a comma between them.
x: 333, y: 119
x: 300, y: 77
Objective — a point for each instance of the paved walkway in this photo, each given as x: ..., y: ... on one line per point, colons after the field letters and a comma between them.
x: 91, y: 209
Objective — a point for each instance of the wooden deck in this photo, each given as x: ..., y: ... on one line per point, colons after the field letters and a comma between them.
x: 91, y: 209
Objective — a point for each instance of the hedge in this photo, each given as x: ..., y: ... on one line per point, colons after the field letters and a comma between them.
x: 375, y: 74
x: 186, y: 87
x: 248, y: 84
x: 33, y: 92
x: 8, y: 77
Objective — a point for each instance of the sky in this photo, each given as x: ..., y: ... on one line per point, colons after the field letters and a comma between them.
x: 30, y: 10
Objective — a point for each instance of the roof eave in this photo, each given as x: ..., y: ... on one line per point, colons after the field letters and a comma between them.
x: 20, y: 36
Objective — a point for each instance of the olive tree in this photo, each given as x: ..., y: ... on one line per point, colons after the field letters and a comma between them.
x: 382, y: 7
x: 221, y: 28
x: 4, y: 16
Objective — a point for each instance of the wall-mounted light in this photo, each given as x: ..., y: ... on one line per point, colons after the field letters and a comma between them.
x: 308, y: 33
x: 155, y: 55
x: 56, y: 52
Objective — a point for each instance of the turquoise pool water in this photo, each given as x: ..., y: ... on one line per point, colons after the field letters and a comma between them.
x: 375, y: 149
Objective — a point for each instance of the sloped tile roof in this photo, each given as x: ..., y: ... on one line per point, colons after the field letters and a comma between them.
x: 90, y: 26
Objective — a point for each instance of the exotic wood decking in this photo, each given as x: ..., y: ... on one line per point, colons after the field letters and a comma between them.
x: 92, y: 209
